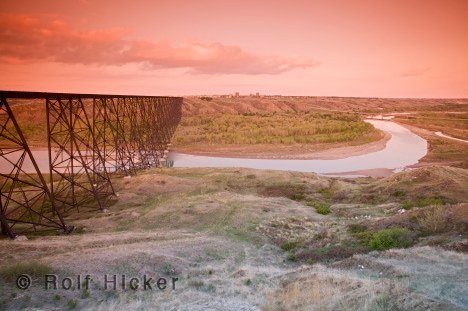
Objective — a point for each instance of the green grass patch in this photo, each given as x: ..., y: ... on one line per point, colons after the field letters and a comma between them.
x: 391, y: 238
x: 364, y: 237
x: 327, y: 193
x: 289, y: 245
x: 292, y: 257
x: 72, y: 304
x: 320, y: 207
x: 423, y: 202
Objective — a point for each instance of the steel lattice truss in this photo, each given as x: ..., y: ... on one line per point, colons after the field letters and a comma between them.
x: 90, y: 137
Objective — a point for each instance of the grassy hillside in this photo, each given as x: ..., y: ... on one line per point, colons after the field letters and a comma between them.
x: 260, y: 240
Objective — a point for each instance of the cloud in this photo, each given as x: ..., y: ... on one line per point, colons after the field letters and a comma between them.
x: 415, y: 72
x: 30, y: 39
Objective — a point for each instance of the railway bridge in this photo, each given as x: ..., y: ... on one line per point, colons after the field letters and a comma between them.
x: 89, y: 138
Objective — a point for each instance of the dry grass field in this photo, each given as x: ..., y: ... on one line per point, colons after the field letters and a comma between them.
x: 240, y: 239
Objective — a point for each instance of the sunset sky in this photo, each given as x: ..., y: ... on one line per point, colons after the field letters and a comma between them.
x: 394, y: 48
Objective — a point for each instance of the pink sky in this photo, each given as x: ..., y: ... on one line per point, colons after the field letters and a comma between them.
x: 398, y: 48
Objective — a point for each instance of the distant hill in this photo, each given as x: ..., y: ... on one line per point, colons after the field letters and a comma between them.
x: 199, y: 105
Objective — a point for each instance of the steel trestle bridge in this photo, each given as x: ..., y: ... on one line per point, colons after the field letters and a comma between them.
x: 89, y: 137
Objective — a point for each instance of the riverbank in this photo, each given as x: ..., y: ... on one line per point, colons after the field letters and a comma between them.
x: 404, y: 148
x: 441, y: 151
x: 298, y: 152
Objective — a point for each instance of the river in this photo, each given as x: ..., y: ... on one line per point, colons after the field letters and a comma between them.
x: 404, y: 148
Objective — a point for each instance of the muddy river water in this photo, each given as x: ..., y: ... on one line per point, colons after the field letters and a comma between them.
x: 403, y: 149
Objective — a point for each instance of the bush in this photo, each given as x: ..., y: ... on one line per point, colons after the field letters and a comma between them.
x: 356, y: 228
x: 321, y: 208
x: 289, y: 245
x: 391, y: 238
x: 407, y: 205
x: 434, y: 220
x: 72, y: 304
x: 423, y: 202
x: 398, y: 193
x: 364, y: 237
x: 431, y: 201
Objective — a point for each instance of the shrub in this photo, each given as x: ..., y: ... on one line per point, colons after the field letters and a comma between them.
x: 289, y: 245
x: 423, y: 202
x: 364, y: 237
x: 391, y: 238
x: 434, y: 220
x: 169, y: 269
x: 431, y: 201
x: 398, y: 193
x: 72, y: 304
x: 356, y: 228
x: 321, y: 208
x: 326, y: 192
x: 85, y: 293
x: 297, y: 196
x: 407, y: 205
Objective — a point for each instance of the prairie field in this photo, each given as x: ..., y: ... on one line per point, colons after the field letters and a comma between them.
x: 241, y: 239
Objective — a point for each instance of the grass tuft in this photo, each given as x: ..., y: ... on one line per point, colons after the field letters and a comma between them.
x: 320, y: 207
x: 391, y: 238
x: 289, y: 245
